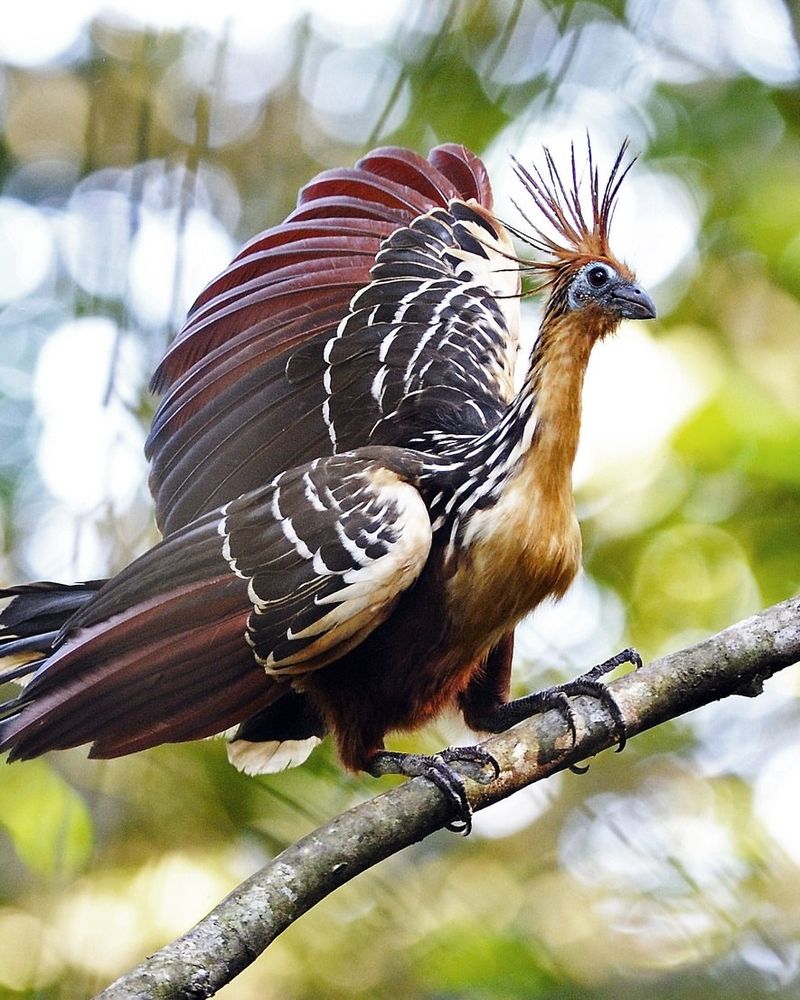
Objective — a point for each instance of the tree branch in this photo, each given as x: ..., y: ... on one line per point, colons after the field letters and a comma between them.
x: 736, y: 661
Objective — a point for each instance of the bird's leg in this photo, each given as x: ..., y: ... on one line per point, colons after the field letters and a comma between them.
x: 438, y: 769
x: 500, y: 716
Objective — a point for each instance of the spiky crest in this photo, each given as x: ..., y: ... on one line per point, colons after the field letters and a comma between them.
x: 577, y: 238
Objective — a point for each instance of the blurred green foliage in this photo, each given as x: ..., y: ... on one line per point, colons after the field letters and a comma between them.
x: 133, y: 161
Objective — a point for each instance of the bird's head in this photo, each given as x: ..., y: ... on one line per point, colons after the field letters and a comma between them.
x: 582, y: 274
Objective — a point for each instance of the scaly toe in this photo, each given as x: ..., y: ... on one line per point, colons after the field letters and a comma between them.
x: 445, y: 778
x: 463, y: 757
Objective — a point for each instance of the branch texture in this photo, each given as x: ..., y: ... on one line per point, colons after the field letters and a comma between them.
x: 211, y: 954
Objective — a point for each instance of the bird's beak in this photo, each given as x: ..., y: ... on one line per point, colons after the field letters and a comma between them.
x: 632, y: 302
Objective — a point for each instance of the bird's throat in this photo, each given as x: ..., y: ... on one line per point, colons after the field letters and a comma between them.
x: 555, y: 384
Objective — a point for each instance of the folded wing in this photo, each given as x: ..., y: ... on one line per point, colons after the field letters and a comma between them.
x: 205, y: 629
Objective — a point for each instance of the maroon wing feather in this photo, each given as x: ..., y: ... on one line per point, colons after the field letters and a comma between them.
x: 413, y: 171
x: 465, y: 170
x: 385, y: 190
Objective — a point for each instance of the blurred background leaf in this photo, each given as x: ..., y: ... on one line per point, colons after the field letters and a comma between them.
x: 139, y: 147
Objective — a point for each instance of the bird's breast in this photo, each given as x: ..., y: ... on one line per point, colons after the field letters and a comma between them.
x: 525, y: 548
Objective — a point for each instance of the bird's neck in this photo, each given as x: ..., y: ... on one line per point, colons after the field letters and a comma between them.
x: 512, y: 538
x: 547, y: 411
x: 537, y: 437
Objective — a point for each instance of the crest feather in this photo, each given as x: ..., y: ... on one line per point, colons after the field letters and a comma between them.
x: 559, y: 201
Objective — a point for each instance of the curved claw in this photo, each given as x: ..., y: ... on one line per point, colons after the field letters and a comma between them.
x: 452, y: 784
x: 601, y: 692
x: 439, y: 770
x: 559, y: 701
x: 629, y: 655
x: 589, y: 684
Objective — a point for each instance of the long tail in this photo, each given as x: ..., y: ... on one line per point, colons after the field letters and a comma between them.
x: 157, y: 654
x: 34, y: 616
x: 37, y: 614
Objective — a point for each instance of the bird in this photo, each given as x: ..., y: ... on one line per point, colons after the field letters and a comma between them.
x: 357, y: 506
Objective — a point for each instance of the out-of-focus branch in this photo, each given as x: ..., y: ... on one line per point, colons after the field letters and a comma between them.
x: 736, y: 661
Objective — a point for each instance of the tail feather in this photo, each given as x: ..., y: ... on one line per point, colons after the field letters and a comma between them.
x: 34, y: 616
x: 279, y: 736
x: 158, y: 654
x: 42, y: 607
x: 142, y: 678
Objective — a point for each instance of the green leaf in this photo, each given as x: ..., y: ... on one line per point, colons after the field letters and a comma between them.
x: 47, y: 821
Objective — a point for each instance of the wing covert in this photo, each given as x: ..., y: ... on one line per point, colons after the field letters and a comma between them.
x: 326, y: 551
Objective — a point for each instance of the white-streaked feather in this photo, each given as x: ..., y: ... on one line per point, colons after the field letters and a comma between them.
x: 381, y: 527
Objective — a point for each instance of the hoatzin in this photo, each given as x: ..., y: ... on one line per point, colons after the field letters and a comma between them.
x: 357, y: 508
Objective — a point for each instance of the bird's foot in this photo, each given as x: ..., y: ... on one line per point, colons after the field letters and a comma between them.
x: 442, y: 769
x: 589, y: 684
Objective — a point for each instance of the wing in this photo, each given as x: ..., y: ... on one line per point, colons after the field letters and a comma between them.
x: 326, y: 554
x: 322, y: 254
x: 396, y: 336
x: 428, y: 347
x: 195, y: 636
